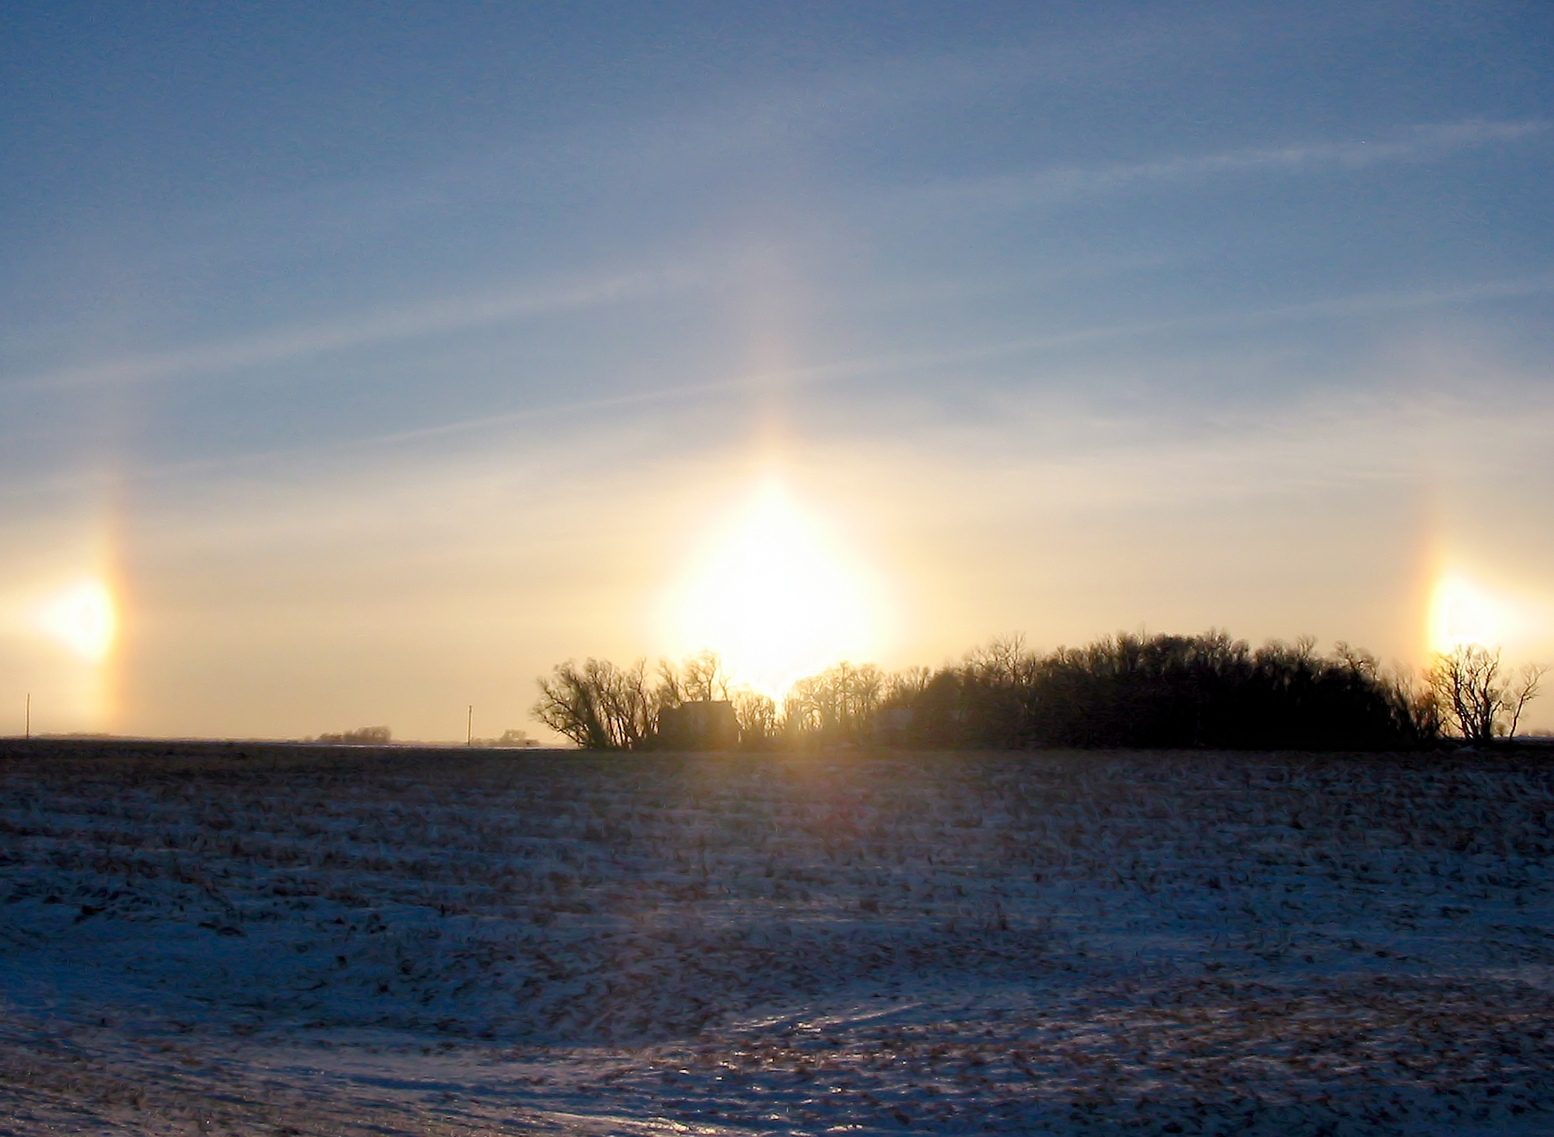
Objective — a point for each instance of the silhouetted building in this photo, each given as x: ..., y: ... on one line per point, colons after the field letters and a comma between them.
x: 707, y: 724
x: 893, y: 726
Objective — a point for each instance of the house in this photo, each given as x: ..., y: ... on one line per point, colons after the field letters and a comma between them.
x: 892, y: 726
x: 705, y: 724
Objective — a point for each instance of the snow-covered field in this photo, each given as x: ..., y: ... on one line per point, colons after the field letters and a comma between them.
x: 312, y: 941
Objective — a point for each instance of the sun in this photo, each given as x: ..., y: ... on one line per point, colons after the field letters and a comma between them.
x: 83, y: 618
x: 1463, y: 613
x: 775, y: 597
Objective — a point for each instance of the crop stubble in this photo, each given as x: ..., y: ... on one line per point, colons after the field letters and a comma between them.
x: 252, y: 939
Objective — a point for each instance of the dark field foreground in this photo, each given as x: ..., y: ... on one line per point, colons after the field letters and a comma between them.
x: 303, y: 940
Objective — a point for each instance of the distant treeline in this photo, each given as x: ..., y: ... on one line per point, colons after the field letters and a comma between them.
x: 361, y: 736
x: 1166, y: 691
x: 383, y: 736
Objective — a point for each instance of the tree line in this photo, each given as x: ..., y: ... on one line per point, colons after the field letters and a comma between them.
x: 1160, y: 691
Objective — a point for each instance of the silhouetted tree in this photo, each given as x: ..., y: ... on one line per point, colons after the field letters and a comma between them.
x: 1127, y: 690
x: 1163, y: 691
x: 599, y: 706
x: 361, y: 736
x: 838, y: 705
x: 757, y: 717
x: 1477, y: 698
x: 703, y: 677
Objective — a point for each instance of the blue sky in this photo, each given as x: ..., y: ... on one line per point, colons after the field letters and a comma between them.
x: 378, y: 357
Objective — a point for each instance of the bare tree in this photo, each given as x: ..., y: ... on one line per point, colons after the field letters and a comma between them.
x: 599, y: 706
x: 569, y: 705
x: 1477, y: 697
x: 704, y: 677
x: 757, y: 717
x: 1526, y: 688
x: 1003, y: 662
x: 901, y: 687
x: 670, y: 691
x: 838, y: 704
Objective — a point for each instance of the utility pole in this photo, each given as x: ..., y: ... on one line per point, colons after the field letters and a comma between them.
x: 469, y: 726
x: 27, y: 716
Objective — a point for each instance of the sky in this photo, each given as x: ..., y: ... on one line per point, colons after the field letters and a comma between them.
x: 360, y: 362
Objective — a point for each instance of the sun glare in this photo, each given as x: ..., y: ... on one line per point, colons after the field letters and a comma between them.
x: 775, y: 598
x: 82, y: 618
x: 1462, y: 612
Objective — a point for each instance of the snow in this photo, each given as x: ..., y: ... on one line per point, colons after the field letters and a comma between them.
x: 269, y: 939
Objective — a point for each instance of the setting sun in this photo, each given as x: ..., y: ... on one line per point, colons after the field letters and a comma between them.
x: 775, y: 597
x: 1462, y: 613
x: 82, y: 618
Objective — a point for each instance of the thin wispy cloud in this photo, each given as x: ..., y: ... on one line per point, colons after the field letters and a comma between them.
x: 587, y: 413
x: 435, y: 317
x: 1422, y: 143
